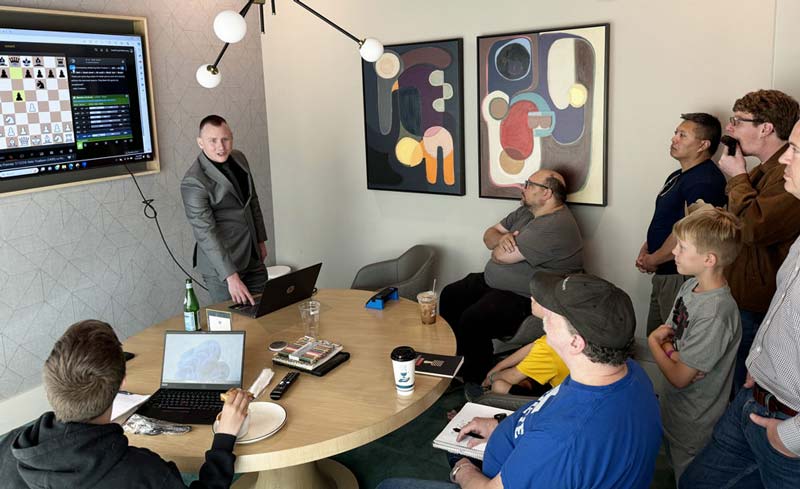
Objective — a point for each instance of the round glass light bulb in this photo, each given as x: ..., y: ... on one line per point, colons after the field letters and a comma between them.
x: 208, y: 76
x: 229, y: 26
x: 371, y: 49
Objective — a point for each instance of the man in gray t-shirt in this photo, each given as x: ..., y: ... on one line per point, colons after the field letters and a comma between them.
x: 540, y: 235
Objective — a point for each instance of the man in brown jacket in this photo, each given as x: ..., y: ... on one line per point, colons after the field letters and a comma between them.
x: 770, y: 216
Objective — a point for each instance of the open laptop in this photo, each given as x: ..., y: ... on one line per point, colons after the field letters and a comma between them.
x: 281, y: 292
x: 197, y: 367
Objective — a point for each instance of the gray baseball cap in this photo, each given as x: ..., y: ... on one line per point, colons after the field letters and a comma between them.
x: 600, y: 311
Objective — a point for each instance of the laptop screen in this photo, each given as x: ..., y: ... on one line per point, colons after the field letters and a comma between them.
x: 203, y: 360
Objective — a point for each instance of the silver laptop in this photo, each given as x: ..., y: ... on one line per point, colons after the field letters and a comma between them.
x: 281, y: 292
x: 197, y: 367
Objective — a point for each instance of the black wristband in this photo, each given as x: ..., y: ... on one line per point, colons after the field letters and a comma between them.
x: 500, y: 417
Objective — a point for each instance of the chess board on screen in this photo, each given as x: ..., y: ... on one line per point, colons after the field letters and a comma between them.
x: 35, y: 101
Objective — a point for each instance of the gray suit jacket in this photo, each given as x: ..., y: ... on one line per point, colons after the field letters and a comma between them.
x: 227, y: 227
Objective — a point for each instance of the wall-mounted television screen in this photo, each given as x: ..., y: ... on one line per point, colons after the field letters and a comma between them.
x: 71, y: 103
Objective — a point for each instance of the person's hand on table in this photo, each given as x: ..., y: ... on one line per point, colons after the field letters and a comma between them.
x: 238, y: 290
x: 479, y: 426
x: 233, y: 412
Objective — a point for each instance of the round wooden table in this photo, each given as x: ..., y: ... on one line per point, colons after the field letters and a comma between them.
x: 351, y: 406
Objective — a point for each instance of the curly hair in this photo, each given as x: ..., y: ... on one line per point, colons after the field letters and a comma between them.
x: 602, y: 354
x: 771, y: 106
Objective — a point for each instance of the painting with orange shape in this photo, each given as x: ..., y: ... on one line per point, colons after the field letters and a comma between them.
x: 431, y: 167
x: 414, y: 92
x: 449, y: 169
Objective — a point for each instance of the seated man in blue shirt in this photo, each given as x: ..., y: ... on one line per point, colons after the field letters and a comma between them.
x: 600, y: 428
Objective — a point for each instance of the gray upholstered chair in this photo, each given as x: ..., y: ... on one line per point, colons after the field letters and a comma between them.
x: 530, y: 329
x: 411, y: 273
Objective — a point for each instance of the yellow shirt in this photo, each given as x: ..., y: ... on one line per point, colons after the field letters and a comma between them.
x: 543, y: 364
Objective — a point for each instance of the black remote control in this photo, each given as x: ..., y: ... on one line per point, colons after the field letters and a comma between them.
x: 284, y: 384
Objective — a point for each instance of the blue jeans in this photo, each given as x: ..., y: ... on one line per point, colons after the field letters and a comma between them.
x: 750, y: 323
x: 739, y: 454
x: 415, y: 484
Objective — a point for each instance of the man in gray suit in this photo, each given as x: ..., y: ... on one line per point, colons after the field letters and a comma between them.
x: 222, y: 207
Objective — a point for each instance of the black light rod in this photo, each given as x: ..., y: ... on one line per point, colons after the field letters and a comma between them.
x: 330, y: 23
x: 244, y: 10
x: 224, y: 48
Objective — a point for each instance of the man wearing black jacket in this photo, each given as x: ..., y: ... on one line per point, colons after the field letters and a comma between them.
x: 77, y: 445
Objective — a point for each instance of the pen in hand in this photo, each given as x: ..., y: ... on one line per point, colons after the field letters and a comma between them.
x: 474, y: 435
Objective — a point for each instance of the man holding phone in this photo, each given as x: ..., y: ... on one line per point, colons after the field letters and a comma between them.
x: 770, y: 216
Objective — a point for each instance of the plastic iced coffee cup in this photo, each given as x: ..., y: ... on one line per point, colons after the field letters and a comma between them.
x: 403, y: 361
x: 428, y: 301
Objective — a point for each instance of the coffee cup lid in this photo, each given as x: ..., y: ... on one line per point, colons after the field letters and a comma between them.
x: 403, y: 354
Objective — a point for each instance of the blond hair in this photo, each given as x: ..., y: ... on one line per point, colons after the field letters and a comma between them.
x: 711, y: 230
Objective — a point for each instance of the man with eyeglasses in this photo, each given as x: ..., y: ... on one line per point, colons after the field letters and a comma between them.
x: 756, y: 443
x: 693, y: 143
x: 770, y: 216
x: 539, y: 235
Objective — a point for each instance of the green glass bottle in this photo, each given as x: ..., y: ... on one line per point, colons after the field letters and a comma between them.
x: 191, y: 309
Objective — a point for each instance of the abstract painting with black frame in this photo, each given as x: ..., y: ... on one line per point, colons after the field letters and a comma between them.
x: 542, y: 98
x: 414, y: 118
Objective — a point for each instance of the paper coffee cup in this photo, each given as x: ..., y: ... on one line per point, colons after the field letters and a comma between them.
x: 403, y: 360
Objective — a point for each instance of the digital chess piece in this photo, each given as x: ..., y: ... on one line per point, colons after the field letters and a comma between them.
x: 48, y: 139
x: 10, y: 132
x: 36, y: 140
x: 67, y: 128
x: 31, y: 107
x: 45, y: 128
x: 28, y: 74
x: 9, y: 120
x: 2, y: 61
x: 12, y: 143
x: 60, y: 62
x: 57, y: 138
x: 23, y: 131
x: 50, y: 74
x: 39, y: 74
x: 3, y: 74
x: 39, y: 85
x: 18, y: 98
x: 56, y: 127
x: 37, y: 62
x: 61, y: 74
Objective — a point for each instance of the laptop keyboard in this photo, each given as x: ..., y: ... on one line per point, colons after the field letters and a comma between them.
x: 200, y: 400
x: 246, y: 309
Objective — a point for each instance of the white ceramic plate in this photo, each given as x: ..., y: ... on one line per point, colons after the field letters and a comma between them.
x: 266, y: 419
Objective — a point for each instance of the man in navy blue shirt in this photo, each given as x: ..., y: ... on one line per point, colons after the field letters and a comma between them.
x: 694, y: 142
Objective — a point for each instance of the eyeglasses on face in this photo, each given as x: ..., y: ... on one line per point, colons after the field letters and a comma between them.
x: 736, y: 120
x: 528, y: 183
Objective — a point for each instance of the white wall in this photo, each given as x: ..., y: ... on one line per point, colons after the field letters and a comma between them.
x: 665, y: 58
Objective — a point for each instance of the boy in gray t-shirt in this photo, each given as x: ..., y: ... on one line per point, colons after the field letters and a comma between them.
x: 696, y: 349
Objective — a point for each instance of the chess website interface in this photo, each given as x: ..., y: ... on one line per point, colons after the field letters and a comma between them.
x: 71, y: 102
